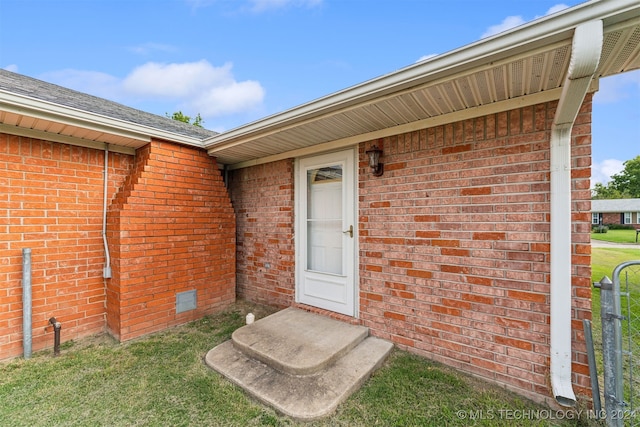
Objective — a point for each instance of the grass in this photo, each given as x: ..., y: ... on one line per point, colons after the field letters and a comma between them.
x: 616, y: 236
x: 162, y: 381
x: 603, y: 262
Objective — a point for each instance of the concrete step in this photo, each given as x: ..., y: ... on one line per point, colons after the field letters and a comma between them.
x: 298, y: 342
x: 286, y: 349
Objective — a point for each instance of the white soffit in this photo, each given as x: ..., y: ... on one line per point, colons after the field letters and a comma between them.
x: 521, y: 67
x: 34, y: 117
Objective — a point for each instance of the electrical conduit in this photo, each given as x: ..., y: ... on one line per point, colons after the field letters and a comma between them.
x: 585, y: 56
x: 106, y: 272
x: 26, y: 302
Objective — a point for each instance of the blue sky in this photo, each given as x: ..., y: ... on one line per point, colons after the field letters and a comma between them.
x: 236, y: 61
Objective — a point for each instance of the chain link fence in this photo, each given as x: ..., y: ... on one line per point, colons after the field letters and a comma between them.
x: 630, y: 305
x: 620, y: 312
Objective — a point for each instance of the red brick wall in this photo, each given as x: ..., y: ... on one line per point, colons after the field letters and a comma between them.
x: 172, y: 229
x: 263, y: 201
x: 51, y: 201
x: 612, y: 218
x: 454, y: 243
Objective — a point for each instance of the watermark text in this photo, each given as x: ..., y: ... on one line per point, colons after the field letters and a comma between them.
x: 541, y: 414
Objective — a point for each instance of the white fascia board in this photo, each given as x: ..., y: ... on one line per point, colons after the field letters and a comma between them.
x: 46, y: 110
x: 518, y: 41
x: 63, y: 139
x: 469, y: 113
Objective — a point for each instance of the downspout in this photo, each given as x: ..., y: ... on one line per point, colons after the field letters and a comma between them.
x: 106, y: 272
x: 585, y: 56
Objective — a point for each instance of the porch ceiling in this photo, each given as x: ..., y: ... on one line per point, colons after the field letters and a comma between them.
x: 524, y: 66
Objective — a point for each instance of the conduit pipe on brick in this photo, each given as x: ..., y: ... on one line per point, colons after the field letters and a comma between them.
x: 106, y: 272
x: 585, y: 56
x: 26, y: 303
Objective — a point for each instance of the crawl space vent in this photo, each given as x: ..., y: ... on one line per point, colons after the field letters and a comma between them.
x: 186, y: 301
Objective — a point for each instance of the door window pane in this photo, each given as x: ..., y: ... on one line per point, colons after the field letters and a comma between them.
x: 324, y: 219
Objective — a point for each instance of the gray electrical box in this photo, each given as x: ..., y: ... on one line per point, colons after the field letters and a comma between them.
x: 186, y: 301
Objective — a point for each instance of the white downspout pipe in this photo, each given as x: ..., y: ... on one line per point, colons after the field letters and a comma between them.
x: 585, y: 56
x: 106, y: 272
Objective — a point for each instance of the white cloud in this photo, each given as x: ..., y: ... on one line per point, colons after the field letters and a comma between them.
x: 176, y: 80
x: 425, y: 57
x: 195, y: 4
x: 199, y: 86
x: 212, y: 91
x: 147, y: 48
x: 93, y: 82
x: 11, y: 67
x: 262, y: 5
x: 508, y: 23
x: 602, y: 172
x: 195, y: 87
x: 514, y: 21
x: 227, y: 99
x: 556, y: 8
x: 618, y: 87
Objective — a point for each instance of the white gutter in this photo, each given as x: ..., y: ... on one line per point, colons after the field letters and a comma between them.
x: 46, y: 110
x: 550, y: 29
x: 585, y: 56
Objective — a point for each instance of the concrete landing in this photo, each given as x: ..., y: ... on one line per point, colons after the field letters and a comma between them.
x: 297, y: 342
x: 302, y: 364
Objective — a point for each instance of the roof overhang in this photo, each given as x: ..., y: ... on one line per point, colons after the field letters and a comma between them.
x: 36, y: 118
x: 615, y: 205
x: 524, y: 66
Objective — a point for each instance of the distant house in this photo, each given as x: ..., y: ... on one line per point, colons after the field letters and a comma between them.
x: 616, y: 211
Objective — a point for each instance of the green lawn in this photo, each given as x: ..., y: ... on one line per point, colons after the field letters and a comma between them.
x: 162, y: 381
x: 603, y: 262
x: 617, y: 236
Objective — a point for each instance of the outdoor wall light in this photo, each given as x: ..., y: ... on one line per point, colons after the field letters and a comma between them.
x: 374, y: 160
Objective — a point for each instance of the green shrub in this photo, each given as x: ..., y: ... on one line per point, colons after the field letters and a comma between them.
x: 620, y: 227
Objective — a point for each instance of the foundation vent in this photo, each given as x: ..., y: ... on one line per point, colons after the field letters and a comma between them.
x: 186, y: 301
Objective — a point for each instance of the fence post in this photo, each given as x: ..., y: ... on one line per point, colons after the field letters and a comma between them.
x: 611, y: 350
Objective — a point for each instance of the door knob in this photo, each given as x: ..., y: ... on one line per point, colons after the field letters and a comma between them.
x: 350, y: 231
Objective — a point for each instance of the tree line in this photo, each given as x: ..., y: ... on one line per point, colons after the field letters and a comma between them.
x: 623, y: 185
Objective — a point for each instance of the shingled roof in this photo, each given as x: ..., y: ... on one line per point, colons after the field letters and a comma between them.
x: 615, y: 205
x: 43, y: 91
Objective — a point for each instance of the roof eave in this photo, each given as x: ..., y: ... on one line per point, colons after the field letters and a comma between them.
x: 552, y: 29
x: 46, y: 110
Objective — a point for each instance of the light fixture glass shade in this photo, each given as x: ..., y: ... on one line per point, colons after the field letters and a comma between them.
x: 374, y: 160
x: 374, y: 157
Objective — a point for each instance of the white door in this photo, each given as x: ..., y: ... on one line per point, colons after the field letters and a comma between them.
x: 326, y: 232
